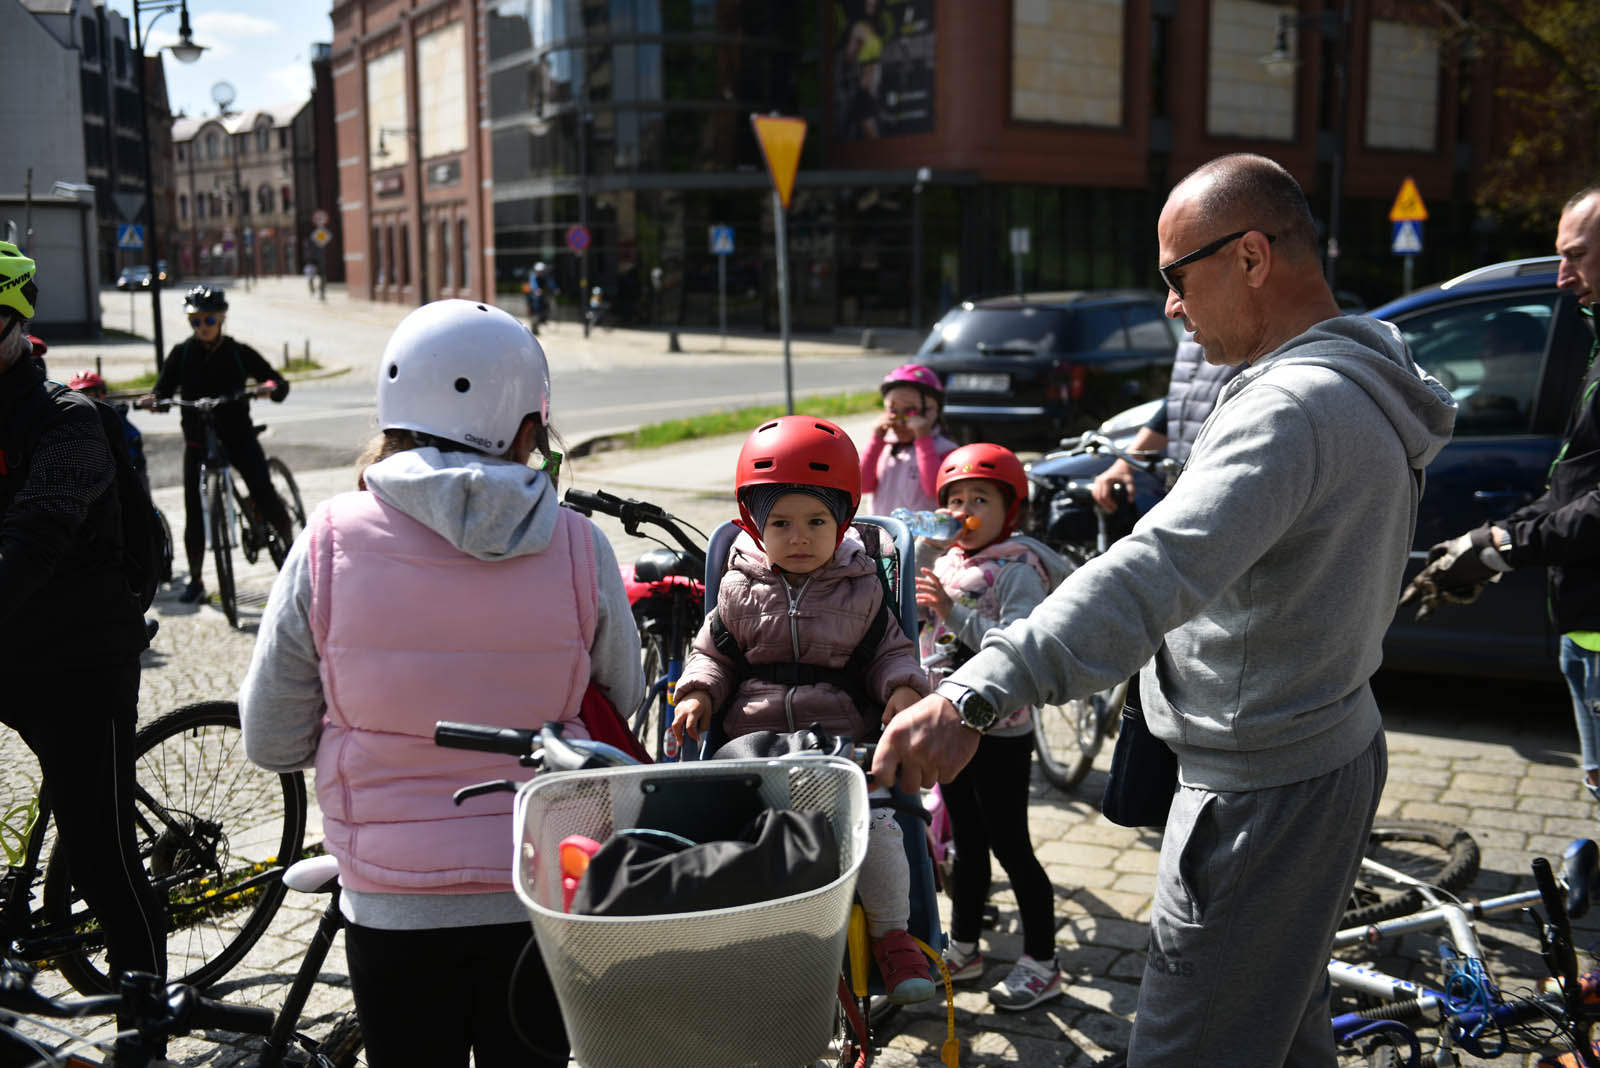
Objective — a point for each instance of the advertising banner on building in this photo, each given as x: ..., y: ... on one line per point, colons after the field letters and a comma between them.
x: 882, y: 68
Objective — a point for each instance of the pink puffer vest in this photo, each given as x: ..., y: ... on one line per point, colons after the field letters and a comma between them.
x: 410, y: 630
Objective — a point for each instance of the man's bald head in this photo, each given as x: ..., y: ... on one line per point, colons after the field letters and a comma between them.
x: 1249, y: 192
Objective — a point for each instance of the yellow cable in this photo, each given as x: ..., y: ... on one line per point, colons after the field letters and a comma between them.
x: 950, y: 1052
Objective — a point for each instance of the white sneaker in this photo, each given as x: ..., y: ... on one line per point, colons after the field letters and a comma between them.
x: 1028, y: 983
x: 963, y: 965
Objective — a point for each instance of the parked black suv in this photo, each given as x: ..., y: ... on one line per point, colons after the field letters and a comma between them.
x: 1029, y: 370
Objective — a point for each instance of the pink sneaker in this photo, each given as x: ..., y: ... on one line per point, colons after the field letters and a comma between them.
x: 903, y: 967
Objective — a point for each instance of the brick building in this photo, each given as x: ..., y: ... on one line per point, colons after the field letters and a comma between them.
x: 235, y: 179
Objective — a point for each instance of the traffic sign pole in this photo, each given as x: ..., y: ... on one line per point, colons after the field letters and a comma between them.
x: 722, y: 301
x: 781, y: 139
x: 781, y: 217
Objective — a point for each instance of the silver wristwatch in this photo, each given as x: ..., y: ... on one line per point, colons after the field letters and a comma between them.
x: 976, y: 710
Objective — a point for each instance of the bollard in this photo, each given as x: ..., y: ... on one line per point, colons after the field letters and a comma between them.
x: 98, y: 369
x: 672, y: 342
x: 285, y: 355
x: 867, y: 340
x: 308, y: 352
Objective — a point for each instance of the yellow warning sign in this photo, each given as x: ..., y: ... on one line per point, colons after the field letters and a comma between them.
x: 780, y: 139
x: 1408, y: 206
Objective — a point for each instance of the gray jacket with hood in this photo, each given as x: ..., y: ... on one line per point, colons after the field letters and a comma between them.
x: 1257, y: 593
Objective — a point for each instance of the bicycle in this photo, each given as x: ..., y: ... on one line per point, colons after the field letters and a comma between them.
x: 157, y: 1013
x: 668, y: 596
x: 1472, y: 1011
x: 609, y: 971
x: 227, y: 505
x: 1067, y: 737
x: 213, y: 833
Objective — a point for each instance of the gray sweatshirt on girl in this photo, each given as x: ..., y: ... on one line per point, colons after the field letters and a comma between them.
x: 1255, y: 596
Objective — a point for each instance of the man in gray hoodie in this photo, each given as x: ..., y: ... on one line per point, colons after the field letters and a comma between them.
x: 1255, y: 596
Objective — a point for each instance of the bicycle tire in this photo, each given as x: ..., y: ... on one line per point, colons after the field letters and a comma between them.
x: 288, y: 491
x: 222, y: 547
x: 1069, y: 736
x: 166, y: 547
x: 650, y: 718
x: 1439, y: 854
x: 226, y: 821
x: 342, y: 1044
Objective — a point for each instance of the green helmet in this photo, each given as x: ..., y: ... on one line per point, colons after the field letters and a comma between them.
x: 17, y: 290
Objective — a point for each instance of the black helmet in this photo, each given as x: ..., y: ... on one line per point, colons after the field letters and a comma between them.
x: 205, y: 299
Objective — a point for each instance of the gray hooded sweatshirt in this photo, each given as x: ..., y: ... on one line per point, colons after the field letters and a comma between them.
x: 1257, y: 593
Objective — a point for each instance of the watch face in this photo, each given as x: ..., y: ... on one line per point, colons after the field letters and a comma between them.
x: 977, y: 712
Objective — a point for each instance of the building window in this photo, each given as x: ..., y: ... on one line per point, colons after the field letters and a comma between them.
x: 264, y: 200
x: 180, y: 153
x: 377, y: 257
x: 405, y: 254
x: 1066, y: 66
x: 1244, y: 98
x: 283, y: 138
x: 212, y: 145
x: 461, y: 253
x: 243, y: 197
x: 288, y: 200
x: 386, y: 110
x: 446, y: 267
x: 199, y: 205
x: 120, y: 55
x: 442, y: 91
x: 183, y: 206
x: 1403, y: 86
x: 91, y: 39
x: 264, y: 139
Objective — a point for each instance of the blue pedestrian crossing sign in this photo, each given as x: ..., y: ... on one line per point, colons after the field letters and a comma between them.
x: 1407, y: 238
x: 131, y: 237
x: 722, y: 240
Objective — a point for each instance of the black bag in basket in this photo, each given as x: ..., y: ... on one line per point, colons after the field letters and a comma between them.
x: 1144, y: 776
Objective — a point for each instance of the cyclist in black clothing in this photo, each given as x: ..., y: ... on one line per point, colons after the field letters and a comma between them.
x: 210, y: 364
x: 62, y: 587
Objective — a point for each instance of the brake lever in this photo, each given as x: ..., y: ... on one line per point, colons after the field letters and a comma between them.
x: 496, y: 786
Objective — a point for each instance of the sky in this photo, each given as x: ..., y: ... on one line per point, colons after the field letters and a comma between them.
x: 262, y: 49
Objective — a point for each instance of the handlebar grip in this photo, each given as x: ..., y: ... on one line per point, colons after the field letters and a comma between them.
x: 1554, y: 907
x: 598, y: 501
x: 208, y: 1015
x: 511, y: 741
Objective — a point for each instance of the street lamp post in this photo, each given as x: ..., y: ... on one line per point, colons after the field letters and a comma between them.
x: 185, y: 51
x: 1334, y: 26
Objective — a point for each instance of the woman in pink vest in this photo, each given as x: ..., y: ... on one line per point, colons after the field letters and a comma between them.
x: 451, y: 585
x: 901, y: 462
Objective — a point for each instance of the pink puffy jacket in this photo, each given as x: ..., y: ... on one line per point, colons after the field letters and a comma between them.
x: 830, y: 614
x: 389, y: 673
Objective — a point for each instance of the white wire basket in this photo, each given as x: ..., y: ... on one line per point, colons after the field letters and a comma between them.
x: 746, y: 986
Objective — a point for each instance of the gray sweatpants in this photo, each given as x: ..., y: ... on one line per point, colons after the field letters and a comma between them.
x: 1249, y: 892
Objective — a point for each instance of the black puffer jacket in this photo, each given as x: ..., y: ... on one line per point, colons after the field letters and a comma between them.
x: 61, y: 580
x: 192, y: 371
x: 1561, y: 530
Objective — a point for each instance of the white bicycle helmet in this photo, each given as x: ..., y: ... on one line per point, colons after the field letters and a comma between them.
x: 463, y: 371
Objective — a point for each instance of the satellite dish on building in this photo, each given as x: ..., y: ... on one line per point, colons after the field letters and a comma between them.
x: 223, y: 95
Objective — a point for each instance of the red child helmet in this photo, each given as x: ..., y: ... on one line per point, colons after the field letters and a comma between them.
x: 802, y: 450
x: 87, y: 380
x: 993, y: 462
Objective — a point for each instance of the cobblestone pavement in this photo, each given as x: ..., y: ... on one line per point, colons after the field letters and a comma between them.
x: 1498, y: 760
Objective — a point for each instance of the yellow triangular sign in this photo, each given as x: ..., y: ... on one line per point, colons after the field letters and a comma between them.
x: 780, y: 139
x: 1408, y: 206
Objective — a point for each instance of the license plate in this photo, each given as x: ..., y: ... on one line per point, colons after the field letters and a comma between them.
x: 970, y: 383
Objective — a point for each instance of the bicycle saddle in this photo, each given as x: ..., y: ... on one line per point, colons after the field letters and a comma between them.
x: 658, y: 564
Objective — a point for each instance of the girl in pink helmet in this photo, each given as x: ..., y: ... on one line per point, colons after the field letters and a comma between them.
x: 901, y: 463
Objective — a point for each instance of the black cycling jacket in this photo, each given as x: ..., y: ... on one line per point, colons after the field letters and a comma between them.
x: 192, y: 372
x: 1561, y: 530
x: 62, y: 586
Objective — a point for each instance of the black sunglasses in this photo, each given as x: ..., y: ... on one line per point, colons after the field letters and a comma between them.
x: 1199, y: 254
x: 211, y: 320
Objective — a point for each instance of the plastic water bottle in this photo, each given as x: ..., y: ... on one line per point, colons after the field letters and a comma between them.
x: 935, y: 526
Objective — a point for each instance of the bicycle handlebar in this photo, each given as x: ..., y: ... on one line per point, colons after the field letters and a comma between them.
x: 205, y: 404
x: 1154, y: 464
x: 633, y: 513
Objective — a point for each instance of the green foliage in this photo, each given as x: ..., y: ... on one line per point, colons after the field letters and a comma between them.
x: 742, y: 420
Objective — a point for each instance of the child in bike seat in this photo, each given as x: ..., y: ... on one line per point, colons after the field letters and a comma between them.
x: 803, y: 635
x: 987, y: 578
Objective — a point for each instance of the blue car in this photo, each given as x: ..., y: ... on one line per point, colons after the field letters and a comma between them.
x: 1513, y: 350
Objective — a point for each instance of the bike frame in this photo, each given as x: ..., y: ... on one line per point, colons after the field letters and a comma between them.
x: 1473, y: 1004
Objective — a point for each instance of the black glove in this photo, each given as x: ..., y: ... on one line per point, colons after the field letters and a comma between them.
x: 1460, y: 562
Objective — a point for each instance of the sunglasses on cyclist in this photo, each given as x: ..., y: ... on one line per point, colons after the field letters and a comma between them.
x: 197, y: 320
x: 1176, y: 284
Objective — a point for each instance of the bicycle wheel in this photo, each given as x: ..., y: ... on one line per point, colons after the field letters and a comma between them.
x: 214, y: 832
x: 222, y: 545
x: 166, y: 547
x: 1438, y: 854
x: 649, y: 719
x: 284, y: 485
x: 1067, y: 737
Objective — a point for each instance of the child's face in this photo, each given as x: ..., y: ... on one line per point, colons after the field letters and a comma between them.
x: 800, y: 534
x: 902, y: 401
x: 981, y: 498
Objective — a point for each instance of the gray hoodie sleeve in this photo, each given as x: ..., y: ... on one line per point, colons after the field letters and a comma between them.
x: 1109, y: 617
x: 614, y: 659
x: 280, y: 701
